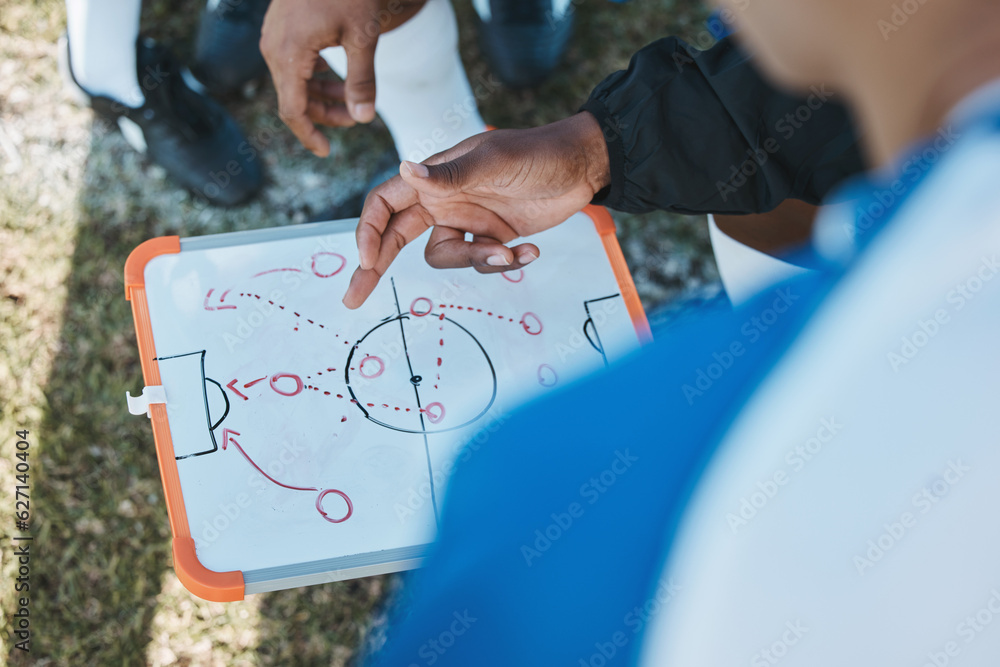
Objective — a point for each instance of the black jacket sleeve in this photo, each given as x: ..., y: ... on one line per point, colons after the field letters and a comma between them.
x: 696, y: 131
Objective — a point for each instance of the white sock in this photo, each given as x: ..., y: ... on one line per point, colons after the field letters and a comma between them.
x: 102, y: 37
x: 422, y: 93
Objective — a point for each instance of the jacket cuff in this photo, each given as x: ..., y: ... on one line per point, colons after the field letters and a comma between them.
x: 611, y: 129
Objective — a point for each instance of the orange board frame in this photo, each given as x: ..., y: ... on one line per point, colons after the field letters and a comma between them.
x: 230, y: 586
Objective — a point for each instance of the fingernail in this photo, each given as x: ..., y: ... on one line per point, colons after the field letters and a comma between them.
x: 364, y: 112
x: 497, y: 260
x: 527, y: 257
x: 418, y: 170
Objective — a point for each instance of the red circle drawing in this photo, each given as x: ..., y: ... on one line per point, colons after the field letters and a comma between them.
x: 324, y: 494
x: 278, y: 376
x: 343, y: 263
x: 431, y: 416
x: 541, y: 378
x: 519, y: 272
x: 527, y: 328
x: 421, y: 313
x: 373, y: 359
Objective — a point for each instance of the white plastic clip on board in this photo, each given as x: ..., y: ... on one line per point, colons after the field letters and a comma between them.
x: 139, y: 405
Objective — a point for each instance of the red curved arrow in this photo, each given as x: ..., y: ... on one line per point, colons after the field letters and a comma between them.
x: 227, y: 436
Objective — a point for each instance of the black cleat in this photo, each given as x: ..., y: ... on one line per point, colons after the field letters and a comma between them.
x: 191, y: 136
x: 227, y: 48
x: 524, y: 40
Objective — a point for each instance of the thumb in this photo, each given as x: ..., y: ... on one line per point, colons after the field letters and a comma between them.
x: 359, y: 85
x: 440, y: 180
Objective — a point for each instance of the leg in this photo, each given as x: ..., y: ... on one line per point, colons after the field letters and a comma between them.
x: 140, y: 87
x: 422, y: 94
x: 102, y: 37
x: 226, y: 52
x: 523, y: 41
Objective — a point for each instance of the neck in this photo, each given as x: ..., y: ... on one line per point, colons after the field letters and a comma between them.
x: 933, y: 71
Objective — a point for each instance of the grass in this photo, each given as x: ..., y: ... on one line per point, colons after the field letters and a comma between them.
x: 74, y: 201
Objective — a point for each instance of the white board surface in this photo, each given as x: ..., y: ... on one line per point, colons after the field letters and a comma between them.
x: 305, y: 431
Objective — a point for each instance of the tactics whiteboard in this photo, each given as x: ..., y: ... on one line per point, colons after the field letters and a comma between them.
x: 301, y: 442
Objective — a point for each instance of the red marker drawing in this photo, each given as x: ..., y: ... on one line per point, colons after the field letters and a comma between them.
x: 227, y: 437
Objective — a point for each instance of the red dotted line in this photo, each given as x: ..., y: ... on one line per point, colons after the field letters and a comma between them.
x: 356, y: 402
x: 386, y: 406
x: 472, y: 309
x: 440, y: 359
x: 325, y: 370
x: 341, y: 396
x: 523, y: 321
x: 251, y: 295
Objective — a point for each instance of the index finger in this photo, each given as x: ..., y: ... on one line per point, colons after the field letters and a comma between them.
x: 402, y: 228
x: 381, y: 204
x: 293, y: 104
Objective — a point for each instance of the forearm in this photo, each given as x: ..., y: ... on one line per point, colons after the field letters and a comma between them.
x: 702, y: 132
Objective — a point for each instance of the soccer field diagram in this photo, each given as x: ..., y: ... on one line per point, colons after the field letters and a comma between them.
x: 419, y: 371
x: 337, y: 429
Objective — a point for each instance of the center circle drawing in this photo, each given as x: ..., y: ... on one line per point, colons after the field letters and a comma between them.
x: 433, y: 375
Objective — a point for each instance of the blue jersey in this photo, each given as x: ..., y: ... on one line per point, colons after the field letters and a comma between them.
x: 767, y: 483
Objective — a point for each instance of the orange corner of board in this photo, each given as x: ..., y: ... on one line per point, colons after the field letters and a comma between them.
x: 135, y: 265
x: 206, y: 584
